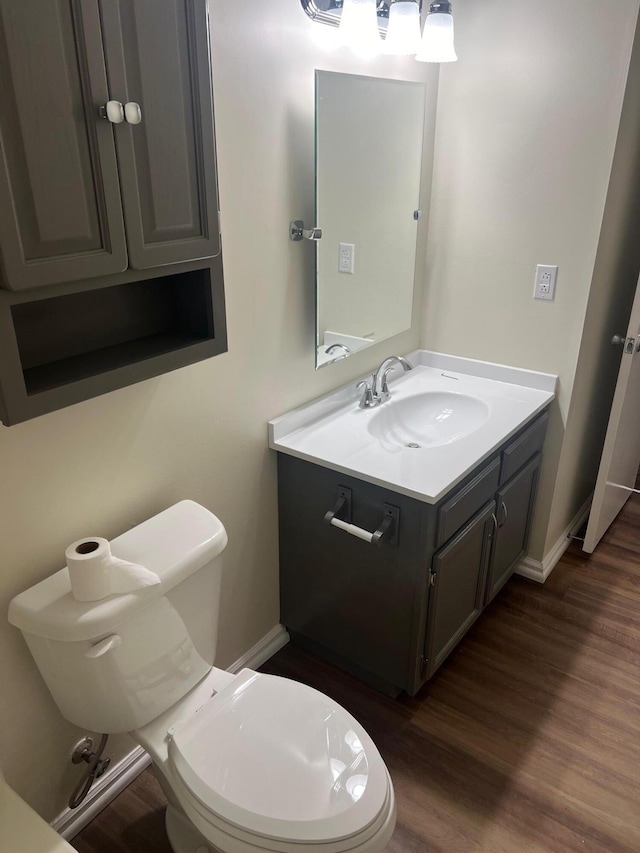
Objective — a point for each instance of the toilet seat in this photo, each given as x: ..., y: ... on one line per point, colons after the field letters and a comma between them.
x: 267, y: 758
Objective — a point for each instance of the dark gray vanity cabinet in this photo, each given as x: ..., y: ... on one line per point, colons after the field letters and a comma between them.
x: 72, y: 182
x: 392, y: 613
x: 342, y: 597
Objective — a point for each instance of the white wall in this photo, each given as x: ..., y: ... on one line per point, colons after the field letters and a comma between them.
x: 526, y: 130
x: 613, y: 287
x: 104, y: 465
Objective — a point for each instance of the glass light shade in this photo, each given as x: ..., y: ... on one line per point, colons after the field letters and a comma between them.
x: 359, y: 27
x: 403, y: 31
x: 437, y: 39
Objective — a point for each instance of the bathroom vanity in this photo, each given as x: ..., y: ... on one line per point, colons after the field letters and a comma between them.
x: 449, y: 505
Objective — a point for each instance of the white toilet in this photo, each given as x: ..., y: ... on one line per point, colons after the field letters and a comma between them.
x: 248, y: 762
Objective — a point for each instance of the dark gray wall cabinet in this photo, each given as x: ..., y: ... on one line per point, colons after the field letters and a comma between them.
x: 65, y: 344
x: 72, y: 182
x: 391, y: 614
x: 110, y: 257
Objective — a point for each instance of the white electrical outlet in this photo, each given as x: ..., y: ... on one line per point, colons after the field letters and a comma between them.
x: 346, y: 258
x: 545, y: 286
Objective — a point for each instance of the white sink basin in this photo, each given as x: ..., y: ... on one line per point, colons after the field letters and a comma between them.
x: 430, y: 419
x: 457, y: 410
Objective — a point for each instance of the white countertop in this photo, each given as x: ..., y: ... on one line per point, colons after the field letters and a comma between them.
x: 334, y: 432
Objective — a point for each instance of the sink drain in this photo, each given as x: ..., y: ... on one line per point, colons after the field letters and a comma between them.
x: 413, y: 445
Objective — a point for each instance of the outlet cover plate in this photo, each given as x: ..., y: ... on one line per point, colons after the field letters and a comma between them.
x: 545, y: 284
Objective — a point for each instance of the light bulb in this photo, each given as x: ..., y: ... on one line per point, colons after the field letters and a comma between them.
x: 359, y: 27
x: 403, y: 31
x: 437, y: 40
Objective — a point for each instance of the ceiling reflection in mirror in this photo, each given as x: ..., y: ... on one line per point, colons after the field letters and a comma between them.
x: 369, y: 140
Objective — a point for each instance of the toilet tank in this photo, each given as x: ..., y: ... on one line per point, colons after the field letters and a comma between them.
x: 116, y: 664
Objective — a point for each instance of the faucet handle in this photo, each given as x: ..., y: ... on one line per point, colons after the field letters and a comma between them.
x: 384, y: 393
x: 366, y: 400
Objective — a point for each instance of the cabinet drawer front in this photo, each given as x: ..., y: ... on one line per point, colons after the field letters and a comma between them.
x: 465, y: 503
x: 523, y: 448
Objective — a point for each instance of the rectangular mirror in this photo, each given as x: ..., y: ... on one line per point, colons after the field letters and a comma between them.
x: 369, y: 140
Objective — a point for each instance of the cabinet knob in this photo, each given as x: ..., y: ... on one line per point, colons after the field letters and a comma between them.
x: 132, y: 112
x: 113, y: 111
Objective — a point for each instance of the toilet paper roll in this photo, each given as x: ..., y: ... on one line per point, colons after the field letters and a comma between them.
x: 95, y: 573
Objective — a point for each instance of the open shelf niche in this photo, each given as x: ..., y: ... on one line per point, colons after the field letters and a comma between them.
x: 75, y: 345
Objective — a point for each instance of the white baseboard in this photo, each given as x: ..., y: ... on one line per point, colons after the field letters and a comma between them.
x: 540, y: 571
x: 71, y: 821
x: 264, y: 649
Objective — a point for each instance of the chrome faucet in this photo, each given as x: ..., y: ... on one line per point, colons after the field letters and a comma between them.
x: 378, y: 392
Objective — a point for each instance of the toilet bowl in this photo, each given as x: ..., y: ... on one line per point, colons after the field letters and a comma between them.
x: 249, y: 762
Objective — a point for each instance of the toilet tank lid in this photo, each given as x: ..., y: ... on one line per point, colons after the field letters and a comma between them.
x: 174, y: 544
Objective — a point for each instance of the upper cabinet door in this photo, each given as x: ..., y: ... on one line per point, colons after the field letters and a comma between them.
x: 60, y: 208
x: 158, y: 59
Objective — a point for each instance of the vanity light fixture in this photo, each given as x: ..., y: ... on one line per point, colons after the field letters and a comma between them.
x: 363, y: 22
x: 437, y: 39
x: 403, y: 31
x: 359, y: 27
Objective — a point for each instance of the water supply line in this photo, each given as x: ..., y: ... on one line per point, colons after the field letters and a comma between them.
x: 96, y: 765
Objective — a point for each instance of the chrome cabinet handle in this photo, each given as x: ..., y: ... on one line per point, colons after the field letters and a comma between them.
x: 113, y: 111
x: 505, y: 514
x: 494, y: 522
x: 132, y: 112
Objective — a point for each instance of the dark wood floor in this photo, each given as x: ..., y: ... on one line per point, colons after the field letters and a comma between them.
x: 528, y: 738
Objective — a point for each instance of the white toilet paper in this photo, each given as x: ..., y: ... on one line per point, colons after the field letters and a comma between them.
x: 95, y: 573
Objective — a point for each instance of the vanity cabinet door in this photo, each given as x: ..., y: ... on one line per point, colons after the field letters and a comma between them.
x: 158, y: 60
x: 60, y: 208
x: 515, y: 503
x: 457, y: 580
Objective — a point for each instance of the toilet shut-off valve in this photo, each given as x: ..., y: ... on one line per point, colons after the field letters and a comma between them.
x: 96, y: 766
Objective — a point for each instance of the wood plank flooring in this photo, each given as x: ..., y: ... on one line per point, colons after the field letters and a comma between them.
x: 526, y: 741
